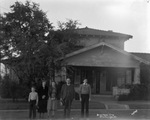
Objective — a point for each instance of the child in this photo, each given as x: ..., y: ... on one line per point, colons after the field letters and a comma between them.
x: 33, y: 102
x: 85, y: 97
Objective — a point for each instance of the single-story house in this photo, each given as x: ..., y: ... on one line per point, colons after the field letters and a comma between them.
x: 103, y: 61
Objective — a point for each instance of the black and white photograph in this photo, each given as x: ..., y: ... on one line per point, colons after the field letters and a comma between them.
x: 75, y: 59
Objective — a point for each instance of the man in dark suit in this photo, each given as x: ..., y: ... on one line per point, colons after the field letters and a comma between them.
x: 67, y: 95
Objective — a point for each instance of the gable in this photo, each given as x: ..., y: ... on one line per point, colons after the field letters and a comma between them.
x: 102, y: 56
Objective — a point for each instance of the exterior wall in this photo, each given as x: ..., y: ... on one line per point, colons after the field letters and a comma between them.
x: 87, y: 41
x: 102, y: 57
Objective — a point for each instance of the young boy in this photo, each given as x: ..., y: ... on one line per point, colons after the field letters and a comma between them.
x: 33, y: 102
x: 85, y: 97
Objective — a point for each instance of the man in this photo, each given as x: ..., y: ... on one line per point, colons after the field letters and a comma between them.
x: 67, y: 95
x: 85, y: 97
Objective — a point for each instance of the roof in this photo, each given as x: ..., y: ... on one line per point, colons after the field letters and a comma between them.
x: 91, y: 31
x: 108, y: 45
x: 145, y: 56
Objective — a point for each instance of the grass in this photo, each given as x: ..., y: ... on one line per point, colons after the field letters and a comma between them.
x: 8, y: 104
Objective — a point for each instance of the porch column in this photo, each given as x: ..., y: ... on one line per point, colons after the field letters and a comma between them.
x: 63, y: 73
x: 136, y: 76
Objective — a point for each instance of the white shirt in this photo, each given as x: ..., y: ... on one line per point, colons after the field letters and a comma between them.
x: 33, y: 96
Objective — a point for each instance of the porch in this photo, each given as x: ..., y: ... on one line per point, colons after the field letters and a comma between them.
x: 101, y: 79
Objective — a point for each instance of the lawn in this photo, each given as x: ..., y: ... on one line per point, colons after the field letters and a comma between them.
x: 8, y: 104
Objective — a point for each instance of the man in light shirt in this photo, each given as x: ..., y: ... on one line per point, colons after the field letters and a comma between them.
x: 85, y: 97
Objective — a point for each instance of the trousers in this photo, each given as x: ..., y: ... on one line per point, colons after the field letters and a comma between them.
x: 84, y: 104
x: 67, y: 108
x: 32, y: 108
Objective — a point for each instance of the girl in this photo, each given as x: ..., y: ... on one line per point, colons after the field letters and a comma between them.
x: 51, y: 106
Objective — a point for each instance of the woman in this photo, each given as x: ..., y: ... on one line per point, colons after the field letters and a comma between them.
x: 43, y: 96
x: 51, y: 106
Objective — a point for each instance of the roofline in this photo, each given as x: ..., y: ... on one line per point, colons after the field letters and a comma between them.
x: 109, y: 31
x: 104, y: 44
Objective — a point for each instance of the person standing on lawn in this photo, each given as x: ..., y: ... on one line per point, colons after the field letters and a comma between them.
x: 67, y: 96
x: 43, y: 97
x: 33, y: 102
x: 52, y: 102
x: 85, y: 97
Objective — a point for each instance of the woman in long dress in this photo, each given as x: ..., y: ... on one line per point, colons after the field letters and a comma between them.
x: 43, y: 97
x: 52, y: 101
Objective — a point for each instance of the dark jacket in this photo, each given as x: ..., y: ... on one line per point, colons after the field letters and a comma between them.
x: 42, y: 91
x: 67, y: 92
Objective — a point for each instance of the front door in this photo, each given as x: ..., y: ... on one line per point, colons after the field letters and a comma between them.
x: 102, y: 82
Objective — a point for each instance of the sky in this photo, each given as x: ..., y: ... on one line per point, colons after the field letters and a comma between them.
x: 123, y: 16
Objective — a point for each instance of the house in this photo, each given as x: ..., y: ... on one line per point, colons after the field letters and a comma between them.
x: 103, y: 61
x: 7, y: 69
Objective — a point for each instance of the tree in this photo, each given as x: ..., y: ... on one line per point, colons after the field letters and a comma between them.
x: 65, y: 40
x: 30, y: 44
x: 67, y: 37
x: 24, y: 31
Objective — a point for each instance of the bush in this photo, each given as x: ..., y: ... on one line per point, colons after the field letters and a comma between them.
x: 138, y: 92
x: 4, y: 87
x: 11, y: 89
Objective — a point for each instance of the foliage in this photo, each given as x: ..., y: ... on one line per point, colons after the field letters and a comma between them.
x: 24, y: 39
x: 11, y: 89
x: 67, y: 37
x: 4, y: 87
x: 138, y: 91
x: 30, y: 43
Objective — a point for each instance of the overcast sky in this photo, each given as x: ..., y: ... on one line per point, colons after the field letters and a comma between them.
x: 124, y: 16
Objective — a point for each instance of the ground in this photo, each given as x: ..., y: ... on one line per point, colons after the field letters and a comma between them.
x: 75, y: 114
x: 100, y: 108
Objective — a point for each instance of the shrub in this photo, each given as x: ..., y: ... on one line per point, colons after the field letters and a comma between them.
x: 11, y: 89
x: 4, y: 87
x: 138, y: 92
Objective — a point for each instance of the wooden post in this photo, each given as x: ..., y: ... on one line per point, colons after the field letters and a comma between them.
x: 136, y: 76
x: 63, y: 73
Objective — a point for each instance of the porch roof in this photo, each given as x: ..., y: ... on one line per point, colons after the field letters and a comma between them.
x: 108, y: 45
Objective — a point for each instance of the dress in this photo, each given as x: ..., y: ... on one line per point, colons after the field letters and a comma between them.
x: 43, y: 101
x: 52, y: 99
